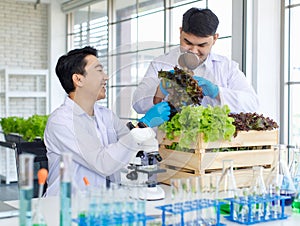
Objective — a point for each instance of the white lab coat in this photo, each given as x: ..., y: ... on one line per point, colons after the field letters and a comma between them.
x: 100, y: 145
x: 235, y: 91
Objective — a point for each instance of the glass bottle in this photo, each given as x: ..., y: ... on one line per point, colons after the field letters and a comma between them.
x: 65, y: 189
x: 279, y: 177
x: 25, y: 188
x: 295, y: 173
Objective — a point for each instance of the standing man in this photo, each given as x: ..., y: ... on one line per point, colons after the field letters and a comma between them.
x: 220, y: 78
x: 99, y: 142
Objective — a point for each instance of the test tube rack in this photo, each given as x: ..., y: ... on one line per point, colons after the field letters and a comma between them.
x: 272, y: 208
x: 104, y: 215
x: 181, y: 208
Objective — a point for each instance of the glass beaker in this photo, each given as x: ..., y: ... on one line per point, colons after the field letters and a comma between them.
x: 226, y: 187
x: 280, y: 177
x: 295, y: 173
x: 65, y: 189
x: 25, y: 188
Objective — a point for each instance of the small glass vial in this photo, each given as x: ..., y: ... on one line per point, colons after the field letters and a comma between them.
x: 26, y: 188
x: 65, y: 189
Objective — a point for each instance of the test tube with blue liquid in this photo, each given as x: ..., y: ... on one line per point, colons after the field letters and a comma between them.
x: 26, y: 188
x: 65, y: 189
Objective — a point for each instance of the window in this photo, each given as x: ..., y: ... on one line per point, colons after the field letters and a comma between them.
x: 292, y: 71
x: 132, y: 34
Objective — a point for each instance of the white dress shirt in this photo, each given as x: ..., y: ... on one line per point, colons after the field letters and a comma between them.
x: 234, y: 89
x: 100, y: 145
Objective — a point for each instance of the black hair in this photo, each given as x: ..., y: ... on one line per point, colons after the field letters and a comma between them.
x: 72, y: 63
x: 200, y: 22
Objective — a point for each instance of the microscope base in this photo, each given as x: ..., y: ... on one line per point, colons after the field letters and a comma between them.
x: 152, y: 193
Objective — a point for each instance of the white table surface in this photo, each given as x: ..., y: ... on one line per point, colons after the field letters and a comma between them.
x: 50, y: 210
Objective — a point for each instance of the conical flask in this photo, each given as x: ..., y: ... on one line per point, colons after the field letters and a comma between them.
x: 226, y: 187
x: 257, y: 191
x: 280, y: 177
x: 258, y: 187
x: 295, y: 173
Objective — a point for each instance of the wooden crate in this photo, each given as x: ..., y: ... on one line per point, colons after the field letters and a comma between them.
x: 201, y: 161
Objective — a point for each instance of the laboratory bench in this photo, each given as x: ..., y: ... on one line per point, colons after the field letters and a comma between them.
x: 50, y: 210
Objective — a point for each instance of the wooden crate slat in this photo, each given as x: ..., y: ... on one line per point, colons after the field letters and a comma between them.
x: 243, y: 139
x: 180, y: 158
x: 214, y: 160
x: 240, y: 158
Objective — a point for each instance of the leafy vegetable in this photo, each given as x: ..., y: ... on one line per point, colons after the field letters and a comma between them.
x: 183, y: 89
x: 12, y: 124
x: 29, y: 129
x: 213, y: 122
x: 252, y: 121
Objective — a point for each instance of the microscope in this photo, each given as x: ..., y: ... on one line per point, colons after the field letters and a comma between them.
x: 142, y: 170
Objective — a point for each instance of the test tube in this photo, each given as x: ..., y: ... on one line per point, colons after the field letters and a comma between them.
x: 176, y: 197
x: 65, y: 189
x: 26, y: 188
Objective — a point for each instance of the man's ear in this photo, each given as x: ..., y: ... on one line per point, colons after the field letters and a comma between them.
x: 216, y: 36
x: 77, y: 80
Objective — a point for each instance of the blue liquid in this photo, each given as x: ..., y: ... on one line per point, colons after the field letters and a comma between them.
x: 25, y: 216
x: 65, y: 204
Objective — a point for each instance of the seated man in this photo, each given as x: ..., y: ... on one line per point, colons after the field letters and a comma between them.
x: 99, y: 142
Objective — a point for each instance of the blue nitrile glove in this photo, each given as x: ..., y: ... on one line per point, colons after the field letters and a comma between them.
x: 157, y: 115
x: 165, y: 84
x: 208, y: 88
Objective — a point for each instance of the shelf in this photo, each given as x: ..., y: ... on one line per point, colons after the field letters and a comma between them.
x: 23, y: 92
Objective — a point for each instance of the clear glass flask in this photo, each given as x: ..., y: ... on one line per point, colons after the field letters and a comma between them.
x: 226, y: 187
x: 279, y: 177
x: 258, y: 191
x: 295, y: 173
x: 65, y: 189
x: 25, y: 188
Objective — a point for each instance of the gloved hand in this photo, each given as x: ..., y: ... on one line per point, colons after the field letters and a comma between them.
x: 157, y: 115
x: 163, y: 85
x: 209, y: 89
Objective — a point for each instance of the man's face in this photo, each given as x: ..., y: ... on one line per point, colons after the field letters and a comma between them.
x: 201, y: 46
x: 95, y: 78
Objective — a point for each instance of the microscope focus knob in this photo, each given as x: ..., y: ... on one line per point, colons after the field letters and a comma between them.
x: 132, y: 175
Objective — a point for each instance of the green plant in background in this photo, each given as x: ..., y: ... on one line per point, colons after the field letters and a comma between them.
x: 30, y: 128
x: 213, y: 122
x: 12, y: 124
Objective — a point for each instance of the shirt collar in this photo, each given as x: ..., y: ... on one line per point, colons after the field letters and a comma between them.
x: 77, y: 110
x: 210, y: 59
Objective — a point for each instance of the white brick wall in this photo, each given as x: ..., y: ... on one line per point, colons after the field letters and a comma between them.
x: 23, y: 35
x: 23, y: 44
